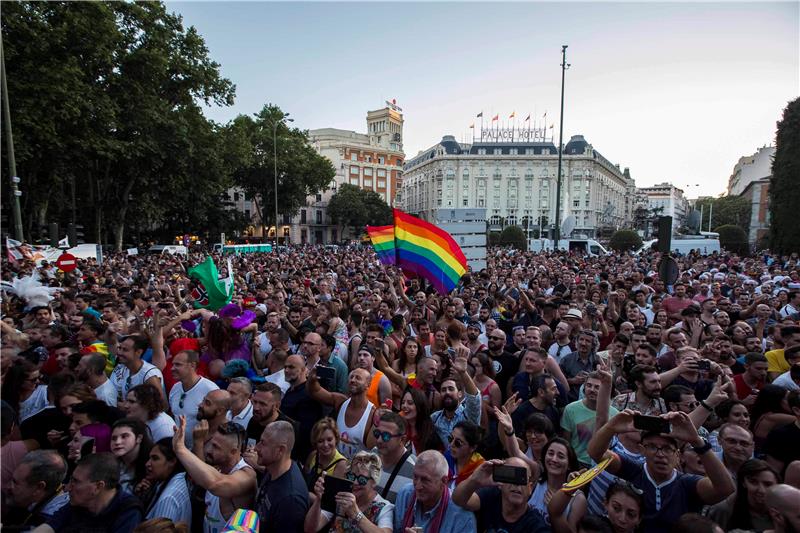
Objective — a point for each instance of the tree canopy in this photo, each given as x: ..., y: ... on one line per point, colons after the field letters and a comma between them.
x: 352, y: 208
x: 784, y: 187
x: 727, y: 210
x: 625, y: 240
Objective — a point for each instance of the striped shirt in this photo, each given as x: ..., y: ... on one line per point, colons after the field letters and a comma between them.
x: 173, y: 502
x: 600, y: 484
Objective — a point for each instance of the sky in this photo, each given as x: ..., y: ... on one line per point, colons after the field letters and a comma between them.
x: 677, y: 92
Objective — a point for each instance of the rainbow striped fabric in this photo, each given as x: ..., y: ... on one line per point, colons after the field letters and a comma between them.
x: 428, y: 251
x: 382, y: 238
x: 243, y: 520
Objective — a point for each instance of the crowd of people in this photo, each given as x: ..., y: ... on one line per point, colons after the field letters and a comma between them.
x: 547, y: 392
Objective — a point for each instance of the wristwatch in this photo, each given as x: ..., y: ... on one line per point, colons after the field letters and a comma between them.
x: 700, y: 450
x: 509, y: 433
x: 706, y: 406
x: 357, y: 518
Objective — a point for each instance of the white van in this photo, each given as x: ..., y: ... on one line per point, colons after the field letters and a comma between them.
x: 588, y: 247
x: 172, y: 249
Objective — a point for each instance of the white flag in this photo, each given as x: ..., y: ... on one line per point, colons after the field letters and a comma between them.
x: 64, y: 243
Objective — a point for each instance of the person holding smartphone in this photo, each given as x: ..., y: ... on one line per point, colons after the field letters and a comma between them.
x: 501, y: 505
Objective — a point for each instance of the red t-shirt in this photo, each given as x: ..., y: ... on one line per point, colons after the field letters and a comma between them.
x: 743, y: 390
x: 674, y: 305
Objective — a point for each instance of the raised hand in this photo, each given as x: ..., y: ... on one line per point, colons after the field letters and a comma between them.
x: 512, y: 403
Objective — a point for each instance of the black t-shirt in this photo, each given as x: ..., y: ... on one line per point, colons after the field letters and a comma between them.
x: 782, y: 443
x: 299, y: 406
x: 490, y: 517
x: 37, y: 427
x: 282, y: 503
x: 526, y: 409
x: 505, y: 366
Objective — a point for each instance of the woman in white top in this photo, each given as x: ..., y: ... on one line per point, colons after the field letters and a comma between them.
x: 164, y: 490
x: 144, y: 402
x: 362, y: 509
x: 21, y: 389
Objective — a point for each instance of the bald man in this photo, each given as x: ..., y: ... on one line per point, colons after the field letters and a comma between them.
x: 783, y: 504
x: 211, y: 413
x: 299, y: 406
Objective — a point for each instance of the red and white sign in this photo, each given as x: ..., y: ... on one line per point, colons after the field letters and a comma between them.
x: 67, y: 262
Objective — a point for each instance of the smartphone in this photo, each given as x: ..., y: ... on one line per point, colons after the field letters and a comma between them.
x: 164, y: 305
x: 703, y: 364
x: 251, y: 443
x: 326, y: 376
x: 652, y: 424
x: 514, y: 475
x: 333, y: 486
x: 87, y: 448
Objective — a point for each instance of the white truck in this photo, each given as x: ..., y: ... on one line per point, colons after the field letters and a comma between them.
x: 588, y: 247
x: 707, y: 242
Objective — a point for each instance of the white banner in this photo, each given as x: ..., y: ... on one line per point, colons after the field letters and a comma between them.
x: 133, y: 251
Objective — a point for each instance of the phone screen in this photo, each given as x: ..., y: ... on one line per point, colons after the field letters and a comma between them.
x: 515, y: 475
x: 652, y: 424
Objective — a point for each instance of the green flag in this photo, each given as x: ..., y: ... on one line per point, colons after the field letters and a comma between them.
x: 209, y: 291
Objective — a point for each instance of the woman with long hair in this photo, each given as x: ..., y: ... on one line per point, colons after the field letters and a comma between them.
x: 484, y: 379
x: 420, y: 431
x: 746, y: 509
x: 144, y: 402
x: 164, y: 490
x: 22, y: 390
x: 729, y: 412
x: 73, y: 395
x: 130, y: 444
x: 463, y: 457
x: 769, y: 411
x: 408, y: 355
x: 558, y: 462
x: 325, y: 457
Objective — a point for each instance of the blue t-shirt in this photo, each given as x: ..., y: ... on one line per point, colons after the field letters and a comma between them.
x: 664, y: 504
x: 282, y: 503
x: 122, y: 515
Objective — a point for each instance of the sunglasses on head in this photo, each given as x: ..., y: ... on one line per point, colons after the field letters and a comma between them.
x: 361, y: 480
x: 385, y: 436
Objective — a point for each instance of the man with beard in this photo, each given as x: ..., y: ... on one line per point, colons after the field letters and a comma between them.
x: 577, y: 365
x: 298, y: 405
x: 563, y: 344
x: 92, y: 371
x: 578, y: 419
x: 266, y: 401
x: 500, y: 506
x: 354, y: 413
x: 229, y: 481
x: 473, y: 342
x: 131, y: 370
x: 454, y: 410
x: 543, y: 397
x: 189, y: 390
x: 211, y: 414
x: 646, y: 397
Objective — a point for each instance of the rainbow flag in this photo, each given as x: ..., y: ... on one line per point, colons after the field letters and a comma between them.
x: 428, y: 251
x: 382, y: 238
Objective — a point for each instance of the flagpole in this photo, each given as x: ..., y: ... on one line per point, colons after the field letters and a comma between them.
x: 559, y: 148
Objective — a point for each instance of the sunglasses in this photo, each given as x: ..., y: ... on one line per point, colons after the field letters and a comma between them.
x: 455, y: 441
x: 385, y: 436
x: 361, y: 480
x: 180, y: 402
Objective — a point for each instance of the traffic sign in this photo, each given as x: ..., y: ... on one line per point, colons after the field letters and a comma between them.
x: 67, y: 262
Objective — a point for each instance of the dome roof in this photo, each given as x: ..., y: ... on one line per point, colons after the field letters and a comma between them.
x: 576, y: 145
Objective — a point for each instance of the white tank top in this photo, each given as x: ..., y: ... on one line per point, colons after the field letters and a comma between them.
x: 214, y: 521
x: 351, y: 439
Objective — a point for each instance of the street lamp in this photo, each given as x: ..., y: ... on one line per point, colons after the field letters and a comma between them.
x: 286, y: 118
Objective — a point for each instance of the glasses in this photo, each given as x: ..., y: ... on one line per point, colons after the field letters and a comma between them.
x: 496, y: 338
x: 737, y: 442
x: 455, y: 441
x: 361, y: 480
x: 691, y: 405
x: 655, y: 450
x: 385, y: 436
x: 180, y: 402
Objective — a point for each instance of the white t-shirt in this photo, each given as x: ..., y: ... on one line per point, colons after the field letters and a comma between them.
x: 35, y: 403
x: 385, y: 518
x: 279, y: 379
x: 785, y: 380
x: 124, y: 381
x: 187, y: 404
x: 161, y: 427
x: 107, y: 392
x: 244, y: 417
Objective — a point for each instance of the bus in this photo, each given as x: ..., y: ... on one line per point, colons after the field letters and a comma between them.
x: 240, y: 249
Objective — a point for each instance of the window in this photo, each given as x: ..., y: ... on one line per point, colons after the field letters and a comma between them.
x: 319, y: 198
x: 466, y: 202
x: 236, y: 197
x: 368, y: 182
x: 381, y: 160
x: 481, y: 202
x: 353, y: 157
x: 498, y: 151
x: 367, y: 172
x: 319, y: 216
x: 576, y: 203
x: 545, y: 151
x: 285, y: 232
x: 529, y: 151
x: 354, y: 180
x: 381, y: 172
x: 303, y: 216
x: 368, y: 158
x: 481, y: 151
x: 354, y: 170
x: 514, y: 151
x: 381, y: 184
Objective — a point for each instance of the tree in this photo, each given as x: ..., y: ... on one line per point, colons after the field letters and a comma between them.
x: 352, y: 208
x: 646, y: 218
x: 513, y: 236
x: 301, y: 170
x: 625, y: 240
x: 784, y: 187
x: 727, y: 210
x: 107, y: 124
x: 733, y: 239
